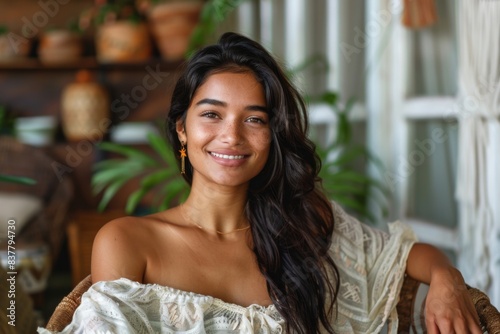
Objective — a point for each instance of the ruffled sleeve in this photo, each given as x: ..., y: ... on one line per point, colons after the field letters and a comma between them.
x: 372, y: 266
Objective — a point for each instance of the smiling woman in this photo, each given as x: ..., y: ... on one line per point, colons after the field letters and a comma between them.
x: 256, y: 247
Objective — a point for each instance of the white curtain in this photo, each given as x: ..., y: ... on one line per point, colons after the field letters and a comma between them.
x: 478, y: 182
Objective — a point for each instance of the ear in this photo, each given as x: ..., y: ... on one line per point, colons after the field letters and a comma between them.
x: 181, y: 131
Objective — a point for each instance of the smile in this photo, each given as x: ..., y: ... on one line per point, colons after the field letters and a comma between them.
x: 225, y: 156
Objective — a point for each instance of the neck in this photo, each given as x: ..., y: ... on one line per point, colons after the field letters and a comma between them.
x: 216, y: 210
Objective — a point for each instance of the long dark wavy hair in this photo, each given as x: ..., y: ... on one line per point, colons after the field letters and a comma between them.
x: 291, y: 219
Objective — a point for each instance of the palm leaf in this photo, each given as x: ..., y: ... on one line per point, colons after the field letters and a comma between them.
x: 162, y: 148
x: 134, y: 199
x: 129, y: 152
x: 176, y: 188
x: 110, y: 192
x: 109, y: 173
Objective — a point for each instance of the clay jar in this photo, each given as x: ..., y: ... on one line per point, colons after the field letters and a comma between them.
x: 85, y: 109
x: 172, y: 24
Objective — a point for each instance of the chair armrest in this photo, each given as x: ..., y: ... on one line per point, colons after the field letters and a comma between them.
x: 63, y: 314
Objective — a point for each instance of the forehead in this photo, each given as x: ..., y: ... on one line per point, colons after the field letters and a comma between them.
x: 231, y: 86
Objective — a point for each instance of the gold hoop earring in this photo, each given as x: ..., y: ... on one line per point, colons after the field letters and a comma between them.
x: 182, y: 151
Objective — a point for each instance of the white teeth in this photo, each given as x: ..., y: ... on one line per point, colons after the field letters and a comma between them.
x: 225, y: 156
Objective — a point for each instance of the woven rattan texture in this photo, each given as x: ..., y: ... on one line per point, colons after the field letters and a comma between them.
x: 64, y: 311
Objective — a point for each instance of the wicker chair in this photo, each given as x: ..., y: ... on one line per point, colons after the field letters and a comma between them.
x: 64, y: 311
x: 488, y: 314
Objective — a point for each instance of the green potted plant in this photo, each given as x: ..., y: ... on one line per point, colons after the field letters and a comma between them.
x: 160, y: 175
x: 121, y: 32
x: 341, y: 161
x: 213, y: 13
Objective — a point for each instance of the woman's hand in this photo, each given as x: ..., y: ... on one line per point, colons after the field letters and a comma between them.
x: 449, y: 307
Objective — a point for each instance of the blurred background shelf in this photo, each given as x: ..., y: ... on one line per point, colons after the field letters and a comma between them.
x: 89, y: 63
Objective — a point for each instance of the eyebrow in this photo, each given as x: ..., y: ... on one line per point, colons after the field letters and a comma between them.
x: 218, y: 103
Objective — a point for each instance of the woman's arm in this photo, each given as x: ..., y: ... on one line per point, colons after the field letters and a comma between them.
x: 448, y: 308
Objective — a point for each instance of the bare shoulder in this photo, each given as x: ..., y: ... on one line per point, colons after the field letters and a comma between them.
x: 124, y: 246
x: 118, y: 249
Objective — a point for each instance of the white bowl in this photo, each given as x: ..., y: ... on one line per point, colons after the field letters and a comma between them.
x: 36, y: 131
x: 132, y: 132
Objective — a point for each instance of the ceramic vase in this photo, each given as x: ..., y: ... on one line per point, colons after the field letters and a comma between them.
x: 85, y: 109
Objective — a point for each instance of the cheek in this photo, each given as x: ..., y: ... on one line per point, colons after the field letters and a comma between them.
x: 266, y: 138
x: 264, y: 142
x: 199, y: 135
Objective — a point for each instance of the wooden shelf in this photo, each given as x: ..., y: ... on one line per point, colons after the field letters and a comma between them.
x: 90, y: 63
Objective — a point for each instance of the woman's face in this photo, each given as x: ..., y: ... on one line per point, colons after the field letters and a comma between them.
x: 226, y: 129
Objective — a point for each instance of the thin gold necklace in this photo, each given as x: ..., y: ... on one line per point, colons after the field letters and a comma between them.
x: 202, y: 228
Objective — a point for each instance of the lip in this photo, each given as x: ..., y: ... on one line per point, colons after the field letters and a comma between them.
x: 228, y: 158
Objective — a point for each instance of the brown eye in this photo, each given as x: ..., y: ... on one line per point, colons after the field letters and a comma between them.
x: 209, y: 114
x: 256, y: 120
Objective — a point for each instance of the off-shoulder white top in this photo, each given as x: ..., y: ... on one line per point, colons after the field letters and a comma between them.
x: 371, y: 264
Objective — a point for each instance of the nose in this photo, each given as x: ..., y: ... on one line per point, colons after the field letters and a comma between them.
x: 232, y: 132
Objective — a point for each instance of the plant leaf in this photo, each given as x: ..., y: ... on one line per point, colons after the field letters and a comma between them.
x: 156, y: 178
x: 161, y: 147
x: 110, y: 192
x: 130, y: 152
x: 17, y: 179
x: 175, y: 188
x: 134, y: 199
x: 126, y: 170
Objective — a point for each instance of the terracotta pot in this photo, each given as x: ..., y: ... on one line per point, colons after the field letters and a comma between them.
x: 85, y: 108
x: 123, y: 41
x: 172, y: 24
x: 60, y: 46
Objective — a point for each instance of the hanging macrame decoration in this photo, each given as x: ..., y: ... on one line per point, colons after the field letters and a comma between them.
x: 419, y: 13
x: 478, y: 177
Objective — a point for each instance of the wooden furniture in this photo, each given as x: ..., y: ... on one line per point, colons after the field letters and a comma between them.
x: 488, y: 314
x: 81, y: 232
